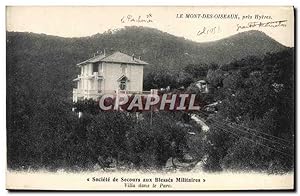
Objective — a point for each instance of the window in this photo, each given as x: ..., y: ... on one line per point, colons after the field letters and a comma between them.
x: 84, y: 70
x: 95, y: 67
x: 100, y: 67
x: 123, y: 84
x: 123, y: 67
x: 99, y: 86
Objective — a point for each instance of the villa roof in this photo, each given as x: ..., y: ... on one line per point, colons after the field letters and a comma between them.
x: 116, y: 57
x: 93, y: 59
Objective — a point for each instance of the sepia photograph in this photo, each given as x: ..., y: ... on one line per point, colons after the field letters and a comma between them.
x: 150, y: 98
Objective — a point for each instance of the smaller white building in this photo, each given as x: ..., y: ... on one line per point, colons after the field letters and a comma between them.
x: 113, y: 73
x: 202, y: 85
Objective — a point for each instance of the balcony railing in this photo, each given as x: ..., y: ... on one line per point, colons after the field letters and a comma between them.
x: 94, y: 94
x: 134, y: 92
x: 95, y: 75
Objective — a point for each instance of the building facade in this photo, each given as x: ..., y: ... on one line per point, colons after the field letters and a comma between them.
x: 113, y: 73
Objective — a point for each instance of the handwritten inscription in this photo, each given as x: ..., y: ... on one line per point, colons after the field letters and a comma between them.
x: 209, y: 30
x: 272, y: 24
x: 137, y: 19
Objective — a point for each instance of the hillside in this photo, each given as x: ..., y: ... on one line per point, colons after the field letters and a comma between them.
x: 156, y: 47
x: 49, y: 61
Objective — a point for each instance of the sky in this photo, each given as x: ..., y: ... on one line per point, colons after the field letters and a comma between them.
x: 204, y: 25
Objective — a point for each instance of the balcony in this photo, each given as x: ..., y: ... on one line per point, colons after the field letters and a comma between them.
x: 79, y: 94
x: 95, y: 75
x: 134, y: 92
x: 98, y: 75
x: 85, y: 94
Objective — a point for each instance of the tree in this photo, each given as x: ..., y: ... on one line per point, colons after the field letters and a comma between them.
x: 263, y: 101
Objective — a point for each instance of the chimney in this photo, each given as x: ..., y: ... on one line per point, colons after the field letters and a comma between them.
x: 104, y: 52
x: 132, y: 56
x: 140, y: 58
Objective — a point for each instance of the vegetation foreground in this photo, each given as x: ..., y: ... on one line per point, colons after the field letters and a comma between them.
x: 251, y: 128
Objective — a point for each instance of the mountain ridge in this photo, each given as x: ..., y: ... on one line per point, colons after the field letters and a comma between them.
x: 96, y: 35
x: 161, y: 50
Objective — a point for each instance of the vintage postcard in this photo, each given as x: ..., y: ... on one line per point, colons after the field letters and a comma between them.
x: 150, y: 98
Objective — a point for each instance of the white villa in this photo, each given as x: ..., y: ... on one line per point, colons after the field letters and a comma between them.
x: 113, y: 73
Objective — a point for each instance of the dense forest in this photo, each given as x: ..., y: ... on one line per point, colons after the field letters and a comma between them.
x: 251, y: 76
